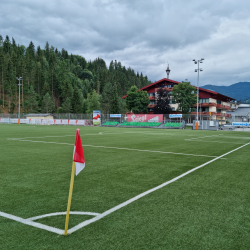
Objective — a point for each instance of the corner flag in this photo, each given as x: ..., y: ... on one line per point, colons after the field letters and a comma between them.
x: 77, y: 166
x: 78, y: 156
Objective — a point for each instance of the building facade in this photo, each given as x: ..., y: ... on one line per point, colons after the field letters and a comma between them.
x: 212, y: 105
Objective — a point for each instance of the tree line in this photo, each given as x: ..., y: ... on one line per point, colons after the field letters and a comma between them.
x: 54, y: 81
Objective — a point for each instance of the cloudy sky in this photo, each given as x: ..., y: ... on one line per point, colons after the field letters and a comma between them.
x: 143, y: 34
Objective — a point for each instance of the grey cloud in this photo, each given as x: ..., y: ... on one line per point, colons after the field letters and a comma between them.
x: 144, y: 35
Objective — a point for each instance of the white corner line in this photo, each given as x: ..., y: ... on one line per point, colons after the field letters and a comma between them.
x: 32, y: 223
x: 98, y: 217
x: 61, y: 213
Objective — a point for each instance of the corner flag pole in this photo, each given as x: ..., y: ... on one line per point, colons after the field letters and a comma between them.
x: 70, y: 197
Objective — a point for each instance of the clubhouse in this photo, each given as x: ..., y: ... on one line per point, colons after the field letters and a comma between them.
x: 212, y: 105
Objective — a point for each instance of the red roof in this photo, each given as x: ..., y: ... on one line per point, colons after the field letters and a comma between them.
x: 217, y: 95
x: 155, y: 83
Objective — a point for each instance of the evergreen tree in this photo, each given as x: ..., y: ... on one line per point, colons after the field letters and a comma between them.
x: 114, y: 108
x: 67, y: 108
x: 93, y: 102
x: 162, y: 102
x: 106, y: 98
x: 77, y: 101
x: 48, y: 103
x: 31, y: 103
x: 55, y: 72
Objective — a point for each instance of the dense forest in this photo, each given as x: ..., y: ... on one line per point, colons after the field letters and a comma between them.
x: 54, y: 81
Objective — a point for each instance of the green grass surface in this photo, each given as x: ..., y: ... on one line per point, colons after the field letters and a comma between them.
x: 207, y: 209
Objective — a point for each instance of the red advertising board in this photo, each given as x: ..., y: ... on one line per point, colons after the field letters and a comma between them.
x: 144, y: 118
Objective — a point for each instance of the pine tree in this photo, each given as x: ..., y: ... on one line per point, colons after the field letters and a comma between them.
x: 77, y: 101
x: 31, y: 103
x: 67, y: 106
x: 93, y: 102
x: 162, y: 102
x: 48, y: 104
x: 106, y: 98
x: 114, y: 108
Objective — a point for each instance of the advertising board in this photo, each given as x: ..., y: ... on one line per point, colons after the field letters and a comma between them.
x: 175, y: 116
x: 115, y: 115
x: 97, y: 117
x: 144, y: 118
x: 80, y: 122
x: 243, y: 124
x: 65, y: 122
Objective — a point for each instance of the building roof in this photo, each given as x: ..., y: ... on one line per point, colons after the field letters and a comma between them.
x: 216, y: 95
x: 242, y: 110
x: 155, y: 83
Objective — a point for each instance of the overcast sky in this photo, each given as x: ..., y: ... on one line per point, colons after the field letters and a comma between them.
x: 143, y: 34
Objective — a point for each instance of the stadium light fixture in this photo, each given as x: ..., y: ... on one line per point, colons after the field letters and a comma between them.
x: 20, y: 78
x: 198, y: 70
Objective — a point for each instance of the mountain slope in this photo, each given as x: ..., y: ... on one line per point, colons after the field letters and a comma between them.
x: 239, y: 91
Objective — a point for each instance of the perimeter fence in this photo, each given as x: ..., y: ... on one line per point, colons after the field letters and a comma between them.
x: 163, y: 120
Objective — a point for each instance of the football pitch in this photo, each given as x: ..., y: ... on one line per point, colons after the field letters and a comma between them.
x: 140, y: 189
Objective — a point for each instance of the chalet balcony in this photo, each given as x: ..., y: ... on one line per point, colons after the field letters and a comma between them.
x: 219, y: 106
x: 165, y: 88
x: 223, y: 115
x: 211, y: 114
x: 151, y: 106
x: 151, y: 98
x: 210, y: 104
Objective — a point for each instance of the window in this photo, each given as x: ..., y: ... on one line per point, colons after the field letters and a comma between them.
x: 152, y: 102
x: 218, y: 102
x: 173, y: 109
x: 204, y: 100
x: 205, y: 109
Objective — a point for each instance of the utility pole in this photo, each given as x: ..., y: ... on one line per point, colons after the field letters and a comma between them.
x: 19, y: 79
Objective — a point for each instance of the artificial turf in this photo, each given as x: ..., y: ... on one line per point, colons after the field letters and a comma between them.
x: 207, y: 209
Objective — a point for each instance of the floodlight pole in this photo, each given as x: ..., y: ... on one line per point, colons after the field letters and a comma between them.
x: 198, y: 70
x: 20, y: 78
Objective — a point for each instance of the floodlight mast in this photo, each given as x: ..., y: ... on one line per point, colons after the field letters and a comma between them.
x: 20, y: 78
x: 198, y: 70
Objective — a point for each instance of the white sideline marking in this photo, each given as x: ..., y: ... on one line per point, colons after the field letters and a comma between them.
x: 213, y: 141
x: 61, y: 213
x: 151, y: 151
x: 98, y: 217
x: 130, y: 149
x: 32, y: 223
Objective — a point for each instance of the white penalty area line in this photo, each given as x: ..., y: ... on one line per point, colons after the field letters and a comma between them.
x: 98, y: 217
x: 129, y: 149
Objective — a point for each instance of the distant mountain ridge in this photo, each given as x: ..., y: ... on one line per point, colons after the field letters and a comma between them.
x: 238, y: 91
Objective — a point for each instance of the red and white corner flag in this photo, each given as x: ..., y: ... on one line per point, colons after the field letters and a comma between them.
x: 78, y: 156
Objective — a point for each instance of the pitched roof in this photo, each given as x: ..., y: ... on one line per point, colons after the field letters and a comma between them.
x: 218, y: 95
x: 162, y: 80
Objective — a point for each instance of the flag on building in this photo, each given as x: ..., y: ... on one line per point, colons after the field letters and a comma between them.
x: 78, y: 156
